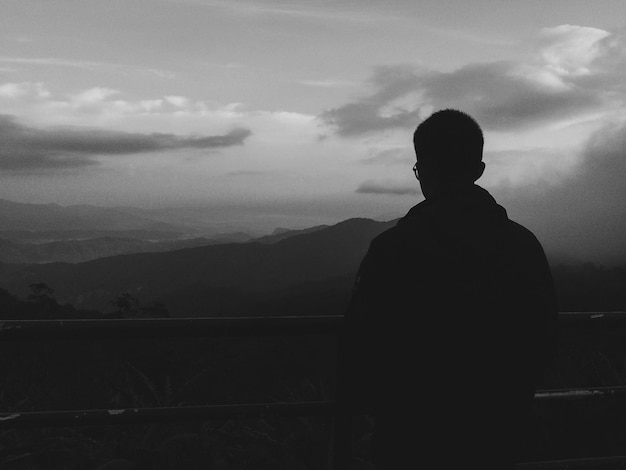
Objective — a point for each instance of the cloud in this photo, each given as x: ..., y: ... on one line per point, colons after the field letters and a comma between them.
x: 29, y: 148
x: 245, y: 173
x: 297, y: 10
x: 598, y: 187
x: 20, y: 90
x: 584, y: 215
x: 178, y: 101
x: 106, y: 107
x: 388, y: 187
x: 86, y: 65
x: 574, y: 71
x: 571, y: 50
x: 391, y: 156
x: 94, y: 95
x: 171, y: 114
x: 329, y: 83
x: 529, y: 166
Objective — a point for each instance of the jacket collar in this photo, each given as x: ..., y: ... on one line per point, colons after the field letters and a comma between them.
x: 473, y: 192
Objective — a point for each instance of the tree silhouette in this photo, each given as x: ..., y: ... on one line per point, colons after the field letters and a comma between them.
x: 127, y: 305
x: 41, y: 293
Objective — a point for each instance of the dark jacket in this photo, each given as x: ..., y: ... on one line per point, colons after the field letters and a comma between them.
x: 452, y: 320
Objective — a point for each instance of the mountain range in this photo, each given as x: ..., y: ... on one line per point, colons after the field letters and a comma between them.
x: 224, y: 277
x: 45, y: 233
x: 91, y: 257
x: 88, y: 248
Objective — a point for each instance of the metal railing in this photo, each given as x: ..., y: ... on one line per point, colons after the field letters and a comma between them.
x: 82, y: 329
x: 27, y: 330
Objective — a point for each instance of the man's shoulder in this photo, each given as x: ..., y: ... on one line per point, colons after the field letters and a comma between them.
x: 522, y: 234
x: 408, y: 234
x: 384, y: 240
x: 408, y: 227
x: 386, y: 236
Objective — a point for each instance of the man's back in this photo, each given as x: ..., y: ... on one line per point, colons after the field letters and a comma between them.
x: 450, y: 323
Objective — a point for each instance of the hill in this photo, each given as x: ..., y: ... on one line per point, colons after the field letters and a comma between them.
x: 219, y: 276
x: 79, y: 250
x: 45, y: 233
x: 309, y: 272
x: 283, y: 233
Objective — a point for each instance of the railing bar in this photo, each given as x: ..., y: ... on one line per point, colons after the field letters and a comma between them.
x: 195, y: 320
x: 21, y: 330
x: 572, y: 463
x: 598, y: 320
x: 191, y: 413
x: 18, y: 330
x: 607, y: 312
x: 580, y: 393
x: 163, y: 414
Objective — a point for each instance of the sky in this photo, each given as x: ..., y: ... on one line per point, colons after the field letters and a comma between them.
x: 296, y: 113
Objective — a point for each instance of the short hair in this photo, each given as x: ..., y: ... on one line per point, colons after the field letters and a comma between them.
x: 449, y: 143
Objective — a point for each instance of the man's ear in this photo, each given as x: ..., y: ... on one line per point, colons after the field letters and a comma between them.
x: 479, y: 171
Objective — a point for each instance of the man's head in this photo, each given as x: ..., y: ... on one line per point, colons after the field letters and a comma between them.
x: 449, y: 150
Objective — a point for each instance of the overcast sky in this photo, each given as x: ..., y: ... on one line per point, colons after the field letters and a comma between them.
x: 303, y: 111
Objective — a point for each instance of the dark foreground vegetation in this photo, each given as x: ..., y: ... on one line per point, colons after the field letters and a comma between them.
x: 114, y: 374
x: 176, y: 372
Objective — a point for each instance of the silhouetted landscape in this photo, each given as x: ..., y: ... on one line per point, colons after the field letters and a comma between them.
x: 167, y: 273
x: 214, y: 277
x: 289, y: 272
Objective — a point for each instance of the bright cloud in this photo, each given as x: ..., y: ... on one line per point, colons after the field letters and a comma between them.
x: 106, y: 108
x: 19, y: 90
x: 93, y: 95
x: 572, y: 50
x: 178, y: 101
x: 567, y: 77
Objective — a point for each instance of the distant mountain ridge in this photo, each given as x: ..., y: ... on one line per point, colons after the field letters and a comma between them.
x: 239, y: 268
x: 283, y: 233
x: 50, y: 217
x: 48, y: 236
x: 80, y: 250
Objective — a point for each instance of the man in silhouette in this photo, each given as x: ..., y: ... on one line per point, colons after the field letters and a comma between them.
x: 452, y: 318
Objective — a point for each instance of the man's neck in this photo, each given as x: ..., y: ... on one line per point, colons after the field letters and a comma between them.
x: 443, y: 190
